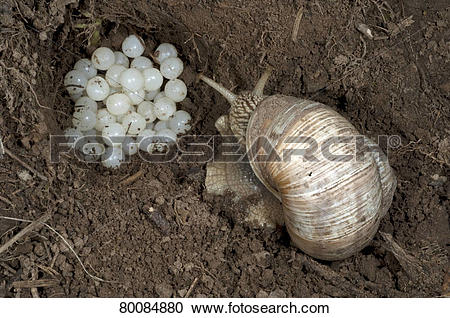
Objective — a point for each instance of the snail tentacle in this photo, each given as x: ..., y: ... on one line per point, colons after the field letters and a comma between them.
x: 230, y: 96
x: 259, y: 87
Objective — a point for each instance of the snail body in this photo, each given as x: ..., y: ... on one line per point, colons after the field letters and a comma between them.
x: 331, y: 208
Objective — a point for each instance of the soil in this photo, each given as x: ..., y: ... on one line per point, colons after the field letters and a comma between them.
x: 162, y: 235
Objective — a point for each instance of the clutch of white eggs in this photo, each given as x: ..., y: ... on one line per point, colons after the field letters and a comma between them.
x: 126, y: 104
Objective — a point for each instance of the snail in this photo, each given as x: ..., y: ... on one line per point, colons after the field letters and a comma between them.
x: 330, y: 208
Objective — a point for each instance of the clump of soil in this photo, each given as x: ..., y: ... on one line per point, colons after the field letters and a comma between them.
x: 161, y: 235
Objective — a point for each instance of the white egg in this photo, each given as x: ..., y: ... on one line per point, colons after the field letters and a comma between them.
x: 132, y: 79
x: 121, y: 117
x: 118, y: 103
x: 103, y: 58
x: 104, y: 118
x: 176, y: 90
x: 179, y: 123
x: 86, y: 103
x: 92, y: 151
x: 121, y: 59
x: 153, y: 79
x: 164, y: 51
x: 97, y: 88
x: 91, y: 135
x: 130, y: 146
x: 87, y: 67
x: 84, y: 119
x: 114, y: 133
x: 133, y: 46
x: 113, y: 157
x: 171, y: 67
x: 164, y: 137
x: 147, y: 110
x: 76, y: 96
x: 73, y: 135
x: 141, y: 63
x: 159, y: 96
x: 75, y: 82
x: 113, y: 74
x: 133, y: 123
x: 136, y: 97
x: 145, y: 140
x: 164, y: 108
x: 160, y: 125
x: 150, y: 95
x: 167, y: 135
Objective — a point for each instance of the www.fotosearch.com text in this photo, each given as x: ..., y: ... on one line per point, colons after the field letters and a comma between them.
x: 216, y: 148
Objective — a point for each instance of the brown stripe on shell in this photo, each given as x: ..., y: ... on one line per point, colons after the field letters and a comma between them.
x: 331, y: 209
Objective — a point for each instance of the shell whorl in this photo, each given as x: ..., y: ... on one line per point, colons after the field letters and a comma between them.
x: 332, y: 208
x: 241, y: 110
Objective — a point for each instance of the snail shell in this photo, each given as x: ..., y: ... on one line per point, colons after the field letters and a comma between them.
x: 331, y: 208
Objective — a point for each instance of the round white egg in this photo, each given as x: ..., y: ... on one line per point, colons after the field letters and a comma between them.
x: 121, y: 59
x: 147, y: 110
x: 145, y: 140
x: 75, y: 82
x: 176, y: 90
x: 86, y: 67
x: 84, y: 119
x: 159, y: 96
x: 76, y: 96
x: 133, y: 46
x: 97, y: 88
x: 114, y: 133
x: 133, y: 123
x: 104, y: 118
x: 153, y: 79
x: 112, y: 157
x: 87, y: 103
x: 171, y: 68
x: 136, y: 97
x: 164, y: 108
x: 103, y: 58
x: 113, y: 74
x: 164, y: 51
x: 130, y: 146
x: 179, y: 123
x: 121, y: 117
x: 93, y: 150
x: 118, y: 103
x: 132, y: 79
x: 167, y: 133
x: 164, y: 137
x: 141, y: 63
x: 150, y: 95
x: 160, y: 125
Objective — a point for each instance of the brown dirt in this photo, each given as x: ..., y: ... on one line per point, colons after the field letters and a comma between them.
x: 396, y: 85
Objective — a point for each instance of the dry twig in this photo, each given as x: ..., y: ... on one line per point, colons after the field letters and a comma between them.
x: 408, y: 262
x: 25, y: 165
x: 296, y: 26
x: 33, y: 226
x: 191, y: 288
x: 39, y: 221
x: 132, y: 178
x: 35, y: 283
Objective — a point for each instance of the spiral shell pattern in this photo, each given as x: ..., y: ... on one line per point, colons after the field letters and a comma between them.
x: 333, y: 198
